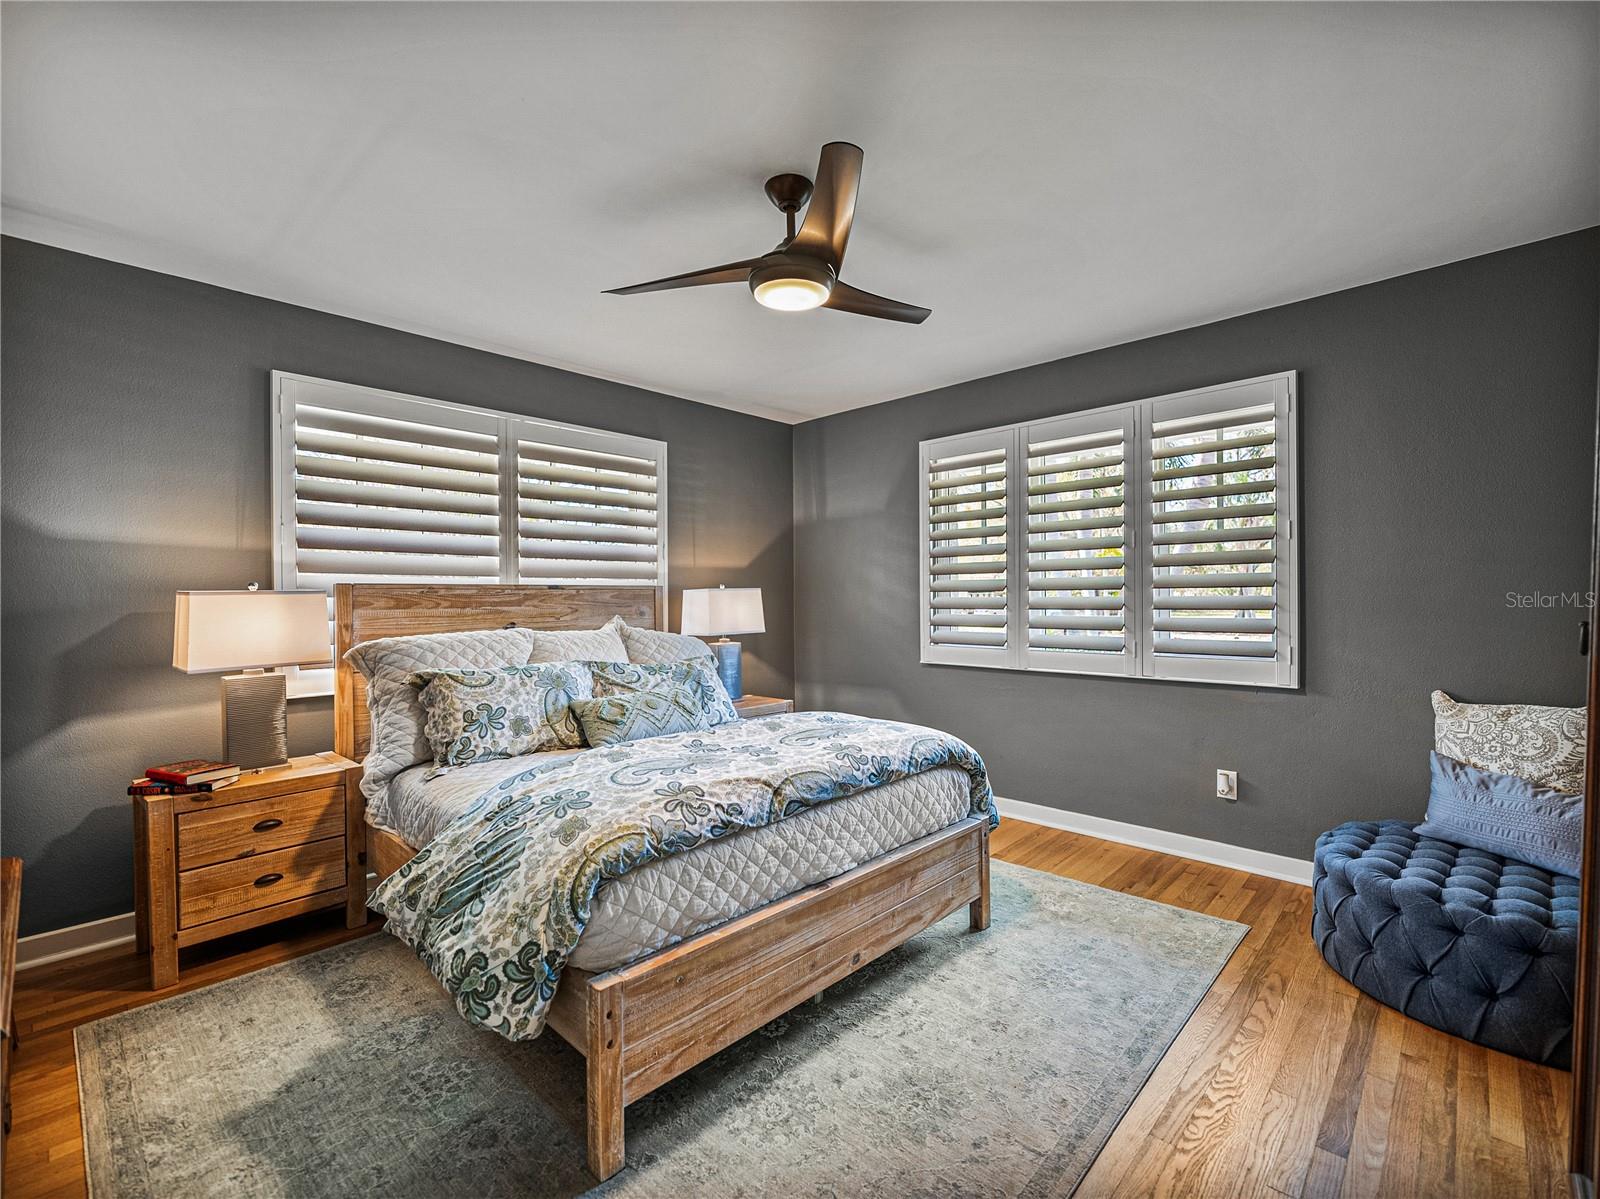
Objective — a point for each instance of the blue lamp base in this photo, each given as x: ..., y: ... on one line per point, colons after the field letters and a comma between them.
x: 729, y: 667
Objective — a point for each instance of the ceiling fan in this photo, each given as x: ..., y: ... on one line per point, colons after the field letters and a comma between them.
x: 802, y: 271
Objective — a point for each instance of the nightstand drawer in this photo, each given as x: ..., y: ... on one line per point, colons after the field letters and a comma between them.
x: 215, y: 892
x: 247, y: 829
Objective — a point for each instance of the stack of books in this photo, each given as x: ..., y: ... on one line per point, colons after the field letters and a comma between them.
x: 185, y: 778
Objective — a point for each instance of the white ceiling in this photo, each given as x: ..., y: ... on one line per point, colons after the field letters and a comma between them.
x: 1048, y: 178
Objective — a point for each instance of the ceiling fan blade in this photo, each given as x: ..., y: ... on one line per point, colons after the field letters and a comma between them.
x: 733, y: 272
x: 833, y: 204
x: 851, y: 299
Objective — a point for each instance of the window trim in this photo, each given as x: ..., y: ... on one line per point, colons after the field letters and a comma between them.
x: 506, y: 427
x: 1137, y: 662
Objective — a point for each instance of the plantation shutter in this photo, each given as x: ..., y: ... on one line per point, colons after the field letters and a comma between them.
x: 586, y: 515
x: 1079, y: 550
x: 1221, y: 565
x: 392, y: 499
x: 966, y: 534
x: 375, y: 487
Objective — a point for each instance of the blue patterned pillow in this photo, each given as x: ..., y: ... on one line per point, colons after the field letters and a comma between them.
x: 613, y: 719
x: 479, y: 715
x: 1501, y: 814
x: 697, y: 674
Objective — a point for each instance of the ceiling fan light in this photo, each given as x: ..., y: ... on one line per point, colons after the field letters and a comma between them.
x: 791, y: 295
x: 791, y: 286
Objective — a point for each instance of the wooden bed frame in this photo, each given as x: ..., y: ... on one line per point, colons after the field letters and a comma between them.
x: 643, y: 1024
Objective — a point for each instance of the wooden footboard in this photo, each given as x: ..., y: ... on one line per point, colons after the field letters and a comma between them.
x: 645, y: 1023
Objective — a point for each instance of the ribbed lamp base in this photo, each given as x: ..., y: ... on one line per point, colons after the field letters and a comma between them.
x: 255, y: 719
x: 730, y: 667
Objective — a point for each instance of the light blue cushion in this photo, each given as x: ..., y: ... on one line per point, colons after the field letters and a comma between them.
x: 1505, y: 815
x: 613, y: 719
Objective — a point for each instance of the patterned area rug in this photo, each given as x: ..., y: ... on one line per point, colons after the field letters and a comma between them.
x: 992, y: 1063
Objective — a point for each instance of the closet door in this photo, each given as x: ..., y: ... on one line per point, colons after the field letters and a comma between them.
x: 1585, y: 1156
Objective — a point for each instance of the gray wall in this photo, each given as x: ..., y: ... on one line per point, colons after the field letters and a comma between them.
x: 1447, y: 434
x: 135, y: 447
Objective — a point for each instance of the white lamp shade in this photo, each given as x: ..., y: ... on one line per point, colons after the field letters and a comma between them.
x: 722, y: 611
x: 234, y: 630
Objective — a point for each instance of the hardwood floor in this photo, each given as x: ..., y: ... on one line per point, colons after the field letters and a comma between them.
x: 1287, y: 1081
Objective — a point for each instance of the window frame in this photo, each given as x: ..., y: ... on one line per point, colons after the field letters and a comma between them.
x: 1138, y: 659
x: 286, y: 388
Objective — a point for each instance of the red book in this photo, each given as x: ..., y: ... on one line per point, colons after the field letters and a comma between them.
x: 147, y: 787
x: 192, y: 770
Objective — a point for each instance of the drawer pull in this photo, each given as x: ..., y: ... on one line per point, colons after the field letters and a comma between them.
x: 262, y: 826
x: 266, y: 880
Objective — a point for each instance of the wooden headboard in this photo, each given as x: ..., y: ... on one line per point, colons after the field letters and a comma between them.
x: 365, y: 611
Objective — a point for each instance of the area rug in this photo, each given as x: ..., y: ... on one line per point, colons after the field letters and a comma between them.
x: 993, y: 1063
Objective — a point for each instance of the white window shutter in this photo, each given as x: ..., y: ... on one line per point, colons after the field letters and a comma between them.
x: 1220, y: 572
x: 967, y: 519
x: 392, y: 499
x: 376, y: 487
x: 587, y: 514
x: 1079, y: 544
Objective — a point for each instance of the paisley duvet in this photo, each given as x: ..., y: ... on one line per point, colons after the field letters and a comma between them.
x: 495, y: 904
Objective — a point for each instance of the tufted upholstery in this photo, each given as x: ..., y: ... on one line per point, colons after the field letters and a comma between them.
x: 1465, y: 940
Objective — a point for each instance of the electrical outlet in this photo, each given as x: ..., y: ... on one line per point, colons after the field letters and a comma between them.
x: 1228, y: 785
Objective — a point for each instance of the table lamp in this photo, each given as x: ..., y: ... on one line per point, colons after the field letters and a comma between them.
x: 250, y: 631
x: 718, y: 611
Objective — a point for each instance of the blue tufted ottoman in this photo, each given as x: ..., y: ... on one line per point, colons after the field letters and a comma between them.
x: 1475, y: 944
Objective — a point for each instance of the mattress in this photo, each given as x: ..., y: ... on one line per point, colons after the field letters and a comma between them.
x: 676, y: 897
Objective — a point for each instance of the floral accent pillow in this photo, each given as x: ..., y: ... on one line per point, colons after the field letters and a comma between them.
x: 1540, y: 744
x: 699, y: 675
x: 617, y: 718
x: 480, y: 715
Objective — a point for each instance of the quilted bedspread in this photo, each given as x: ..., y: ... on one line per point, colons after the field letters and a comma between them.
x: 496, y: 903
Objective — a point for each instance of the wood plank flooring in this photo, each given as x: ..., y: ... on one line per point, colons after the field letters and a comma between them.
x: 1287, y: 1081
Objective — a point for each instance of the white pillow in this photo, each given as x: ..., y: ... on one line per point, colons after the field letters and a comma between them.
x: 1527, y: 741
x: 579, y: 645
x: 398, y: 739
x: 652, y: 647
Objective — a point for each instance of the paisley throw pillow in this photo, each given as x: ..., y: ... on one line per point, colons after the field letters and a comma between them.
x: 699, y: 675
x: 479, y: 715
x: 613, y: 719
x: 1540, y: 744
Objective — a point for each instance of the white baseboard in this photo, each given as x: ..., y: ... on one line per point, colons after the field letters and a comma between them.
x: 43, y: 948
x: 1217, y: 853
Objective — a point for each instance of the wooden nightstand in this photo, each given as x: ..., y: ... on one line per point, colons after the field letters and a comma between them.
x: 279, y: 842
x: 761, y: 705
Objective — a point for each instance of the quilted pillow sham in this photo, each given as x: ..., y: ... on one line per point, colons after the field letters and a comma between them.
x: 480, y: 715
x: 656, y: 648
x: 700, y: 676
x: 614, y: 719
x: 1527, y: 741
x: 1505, y: 815
x: 398, y: 739
x: 579, y: 645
